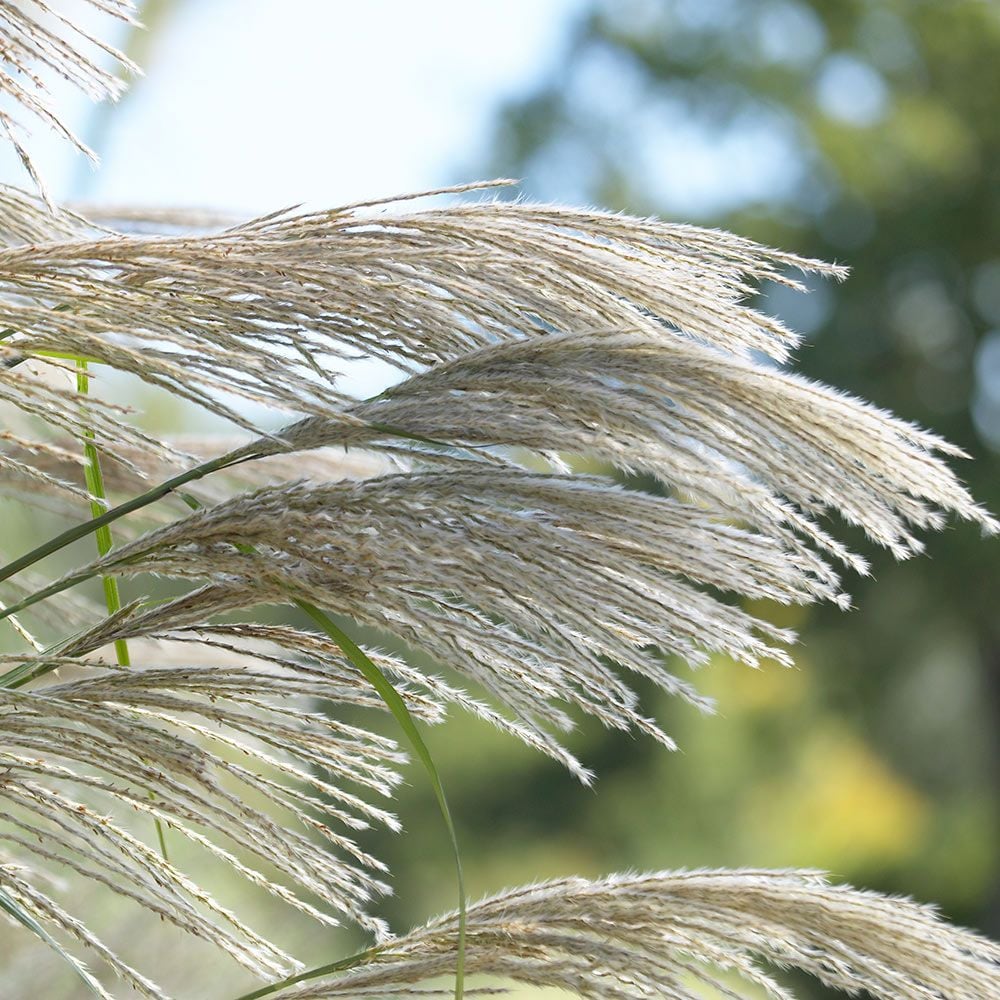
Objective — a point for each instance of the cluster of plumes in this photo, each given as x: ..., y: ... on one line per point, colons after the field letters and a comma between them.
x: 38, y: 44
x: 445, y: 513
x: 525, y: 583
x: 196, y: 738
x: 529, y: 337
x: 530, y: 331
x: 270, y: 310
x: 680, y: 934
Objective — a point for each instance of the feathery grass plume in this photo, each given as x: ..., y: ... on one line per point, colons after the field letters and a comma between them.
x: 271, y: 309
x: 676, y: 934
x: 263, y: 310
x: 514, y: 326
x: 208, y: 732
x: 517, y: 327
x: 38, y: 44
x: 764, y: 446
x: 26, y: 218
x: 524, y: 582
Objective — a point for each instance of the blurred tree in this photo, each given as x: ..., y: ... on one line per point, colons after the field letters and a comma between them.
x: 865, y: 131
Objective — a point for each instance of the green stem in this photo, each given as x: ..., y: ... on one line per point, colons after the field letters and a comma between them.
x: 95, y: 485
x: 394, y: 702
x: 324, y: 970
x: 98, y: 504
x: 397, y: 706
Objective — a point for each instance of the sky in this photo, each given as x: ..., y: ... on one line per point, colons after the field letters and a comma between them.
x: 251, y: 105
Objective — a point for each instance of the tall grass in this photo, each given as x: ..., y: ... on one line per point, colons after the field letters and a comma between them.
x: 444, y: 513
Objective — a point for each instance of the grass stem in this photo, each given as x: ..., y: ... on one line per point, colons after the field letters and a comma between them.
x: 98, y: 505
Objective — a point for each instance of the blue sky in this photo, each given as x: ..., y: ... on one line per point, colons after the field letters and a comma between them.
x: 253, y: 104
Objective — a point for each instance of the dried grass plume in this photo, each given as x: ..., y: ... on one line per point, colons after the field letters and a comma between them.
x: 449, y: 517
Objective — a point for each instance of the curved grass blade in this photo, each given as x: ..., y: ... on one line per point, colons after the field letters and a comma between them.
x: 397, y: 706
x: 394, y: 702
x: 24, y: 918
x: 324, y: 970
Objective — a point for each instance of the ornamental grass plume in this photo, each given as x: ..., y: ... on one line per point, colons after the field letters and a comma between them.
x: 40, y: 45
x: 443, y: 513
x: 671, y: 934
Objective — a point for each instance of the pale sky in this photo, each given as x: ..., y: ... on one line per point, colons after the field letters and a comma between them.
x: 253, y: 104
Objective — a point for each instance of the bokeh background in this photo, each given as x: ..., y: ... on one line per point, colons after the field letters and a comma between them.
x: 866, y: 131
